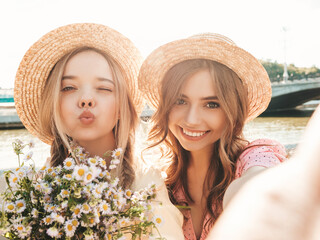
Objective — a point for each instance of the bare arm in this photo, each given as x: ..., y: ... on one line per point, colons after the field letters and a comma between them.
x: 235, y: 186
x: 288, y: 207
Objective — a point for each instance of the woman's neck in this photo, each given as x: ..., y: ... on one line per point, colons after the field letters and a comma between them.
x: 200, y: 160
x: 99, y: 147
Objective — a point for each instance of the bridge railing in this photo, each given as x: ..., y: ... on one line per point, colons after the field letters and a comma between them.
x: 295, y: 81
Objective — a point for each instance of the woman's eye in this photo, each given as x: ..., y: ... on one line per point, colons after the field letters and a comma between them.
x: 180, y: 102
x: 212, y: 105
x: 68, y: 88
x: 105, y: 89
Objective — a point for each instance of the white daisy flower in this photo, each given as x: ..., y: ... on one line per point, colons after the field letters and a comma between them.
x: 50, y: 208
x: 93, y: 161
x: 57, y: 218
x: 123, y: 222
x: 69, y: 228
x: 97, y: 191
x: 47, y: 220
x: 128, y: 193
x: 49, y: 170
x: 80, y: 171
x: 37, y: 186
x: 85, y: 208
x: 47, y: 198
x: 31, y: 144
x: 20, y: 206
x: 112, y: 166
x: 69, y: 163
x: 53, y: 232
x: 67, y: 176
x: 65, y: 193
x: 158, y: 220
x: 92, y: 221
x: 105, y: 208
x: 77, y: 211
x: 28, y: 156
x: 115, y: 161
x: 10, y: 207
x: 102, y: 163
x: 75, y: 222
x: 20, y: 228
x: 117, y: 153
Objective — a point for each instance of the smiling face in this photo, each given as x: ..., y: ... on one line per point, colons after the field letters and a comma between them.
x: 87, y: 99
x: 196, y: 119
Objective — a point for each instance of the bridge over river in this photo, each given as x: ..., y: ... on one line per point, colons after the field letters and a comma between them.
x: 294, y: 93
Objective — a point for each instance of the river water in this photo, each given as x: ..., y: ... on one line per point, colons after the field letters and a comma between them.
x: 287, y: 130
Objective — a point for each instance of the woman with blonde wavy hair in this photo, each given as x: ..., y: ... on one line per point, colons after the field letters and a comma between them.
x: 204, y: 90
x: 77, y: 86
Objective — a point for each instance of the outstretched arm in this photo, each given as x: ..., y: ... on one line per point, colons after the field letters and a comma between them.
x: 282, y: 202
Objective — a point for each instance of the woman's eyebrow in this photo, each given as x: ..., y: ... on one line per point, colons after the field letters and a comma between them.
x: 210, y: 98
x: 204, y: 98
x: 105, y: 80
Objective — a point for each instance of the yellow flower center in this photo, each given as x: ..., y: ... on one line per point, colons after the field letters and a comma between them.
x: 81, y: 172
x: 65, y: 192
x: 89, y: 176
x: 20, y: 204
x: 10, y: 207
x: 117, y: 154
x: 74, y: 222
x: 128, y: 193
x: 69, y: 164
x: 77, y: 211
x: 15, y: 179
x: 158, y: 220
x: 105, y: 207
x: 86, y: 207
x: 69, y: 227
x: 20, y: 228
x: 48, y: 220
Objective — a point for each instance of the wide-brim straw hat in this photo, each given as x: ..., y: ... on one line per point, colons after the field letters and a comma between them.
x: 213, y: 47
x: 42, y: 56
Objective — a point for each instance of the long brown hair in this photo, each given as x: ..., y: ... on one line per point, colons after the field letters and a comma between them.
x: 51, y: 124
x: 233, y: 101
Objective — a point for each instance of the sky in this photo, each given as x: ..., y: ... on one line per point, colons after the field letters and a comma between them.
x: 254, y: 25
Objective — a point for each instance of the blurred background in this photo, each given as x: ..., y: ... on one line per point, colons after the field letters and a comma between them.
x: 282, y: 34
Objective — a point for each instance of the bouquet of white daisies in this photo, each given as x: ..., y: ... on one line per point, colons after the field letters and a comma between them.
x: 79, y: 200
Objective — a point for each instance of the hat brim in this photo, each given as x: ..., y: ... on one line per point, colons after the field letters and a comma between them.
x: 42, y: 56
x: 248, y: 68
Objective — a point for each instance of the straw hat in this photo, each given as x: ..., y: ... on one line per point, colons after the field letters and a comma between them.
x: 42, y: 56
x: 209, y: 46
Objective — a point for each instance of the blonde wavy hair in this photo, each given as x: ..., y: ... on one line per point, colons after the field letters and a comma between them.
x: 52, y: 125
x: 232, y: 97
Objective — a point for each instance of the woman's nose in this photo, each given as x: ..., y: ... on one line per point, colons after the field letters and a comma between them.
x: 87, y: 102
x: 192, y: 116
